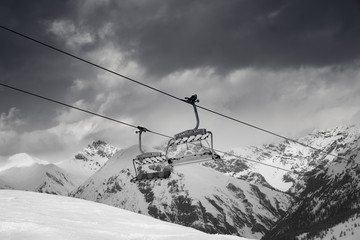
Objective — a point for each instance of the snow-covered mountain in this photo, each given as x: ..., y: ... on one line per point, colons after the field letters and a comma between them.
x: 297, y: 158
x: 194, y: 196
x: 46, y: 178
x: 34, y: 216
x: 330, y: 200
x: 233, y: 196
x: 24, y: 172
x: 348, y: 229
x: 88, y: 161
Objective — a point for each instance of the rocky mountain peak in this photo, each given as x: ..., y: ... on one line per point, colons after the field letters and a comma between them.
x: 193, y: 196
x: 297, y: 158
x: 97, y: 148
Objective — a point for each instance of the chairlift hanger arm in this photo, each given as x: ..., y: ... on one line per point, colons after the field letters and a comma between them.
x: 141, y: 130
x: 192, y: 100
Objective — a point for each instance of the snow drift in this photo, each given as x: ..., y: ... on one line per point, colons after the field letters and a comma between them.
x: 35, y: 216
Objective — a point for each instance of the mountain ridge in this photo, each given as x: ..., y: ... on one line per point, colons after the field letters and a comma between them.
x: 234, y: 196
x: 25, y: 172
x: 331, y: 196
x: 193, y: 196
x: 87, y: 161
x: 297, y: 158
x: 38, y: 177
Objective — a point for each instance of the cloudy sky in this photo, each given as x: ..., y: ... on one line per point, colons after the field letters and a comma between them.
x: 286, y: 66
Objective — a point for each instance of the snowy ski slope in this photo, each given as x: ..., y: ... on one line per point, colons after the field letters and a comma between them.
x: 36, y: 216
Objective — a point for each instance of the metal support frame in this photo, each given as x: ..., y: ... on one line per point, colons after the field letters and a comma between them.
x: 192, y: 100
x: 188, y: 136
x: 148, y: 158
x: 135, y: 167
x: 141, y: 130
x: 192, y: 135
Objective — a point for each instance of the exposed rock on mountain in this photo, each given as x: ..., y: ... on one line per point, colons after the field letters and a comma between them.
x: 297, y: 158
x: 88, y: 161
x: 331, y: 197
x: 33, y: 174
x: 39, y: 178
x: 194, y: 196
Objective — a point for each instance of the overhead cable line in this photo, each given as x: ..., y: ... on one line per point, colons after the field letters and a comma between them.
x: 121, y: 122
x: 89, y: 62
x: 270, y: 132
x: 74, y: 107
x: 163, y: 92
x: 251, y: 160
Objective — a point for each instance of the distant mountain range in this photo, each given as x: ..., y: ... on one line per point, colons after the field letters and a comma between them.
x: 194, y: 196
x: 60, y: 178
x: 39, y: 178
x: 299, y: 159
x: 331, y: 198
x: 318, y: 195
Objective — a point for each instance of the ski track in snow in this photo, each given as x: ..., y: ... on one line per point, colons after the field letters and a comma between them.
x: 29, y: 215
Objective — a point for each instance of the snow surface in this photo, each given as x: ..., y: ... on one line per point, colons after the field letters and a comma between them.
x: 92, y: 158
x: 273, y: 176
x: 296, y: 157
x: 347, y: 230
x: 29, y: 215
x: 76, y: 169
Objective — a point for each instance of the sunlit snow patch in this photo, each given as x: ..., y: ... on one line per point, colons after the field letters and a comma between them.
x: 29, y: 215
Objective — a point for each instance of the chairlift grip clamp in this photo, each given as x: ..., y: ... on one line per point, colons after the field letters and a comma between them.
x: 192, y: 100
x: 141, y: 129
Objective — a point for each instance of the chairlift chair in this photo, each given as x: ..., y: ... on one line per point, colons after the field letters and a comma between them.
x: 147, y: 158
x: 192, y: 136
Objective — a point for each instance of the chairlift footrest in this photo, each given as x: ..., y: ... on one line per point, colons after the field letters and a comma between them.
x: 194, y: 158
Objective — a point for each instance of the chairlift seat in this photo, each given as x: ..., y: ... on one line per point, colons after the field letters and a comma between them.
x: 148, y: 158
x: 194, y: 158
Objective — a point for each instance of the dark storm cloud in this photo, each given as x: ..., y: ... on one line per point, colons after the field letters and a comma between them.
x: 32, y: 67
x: 167, y: 36
x: 233, y: 45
